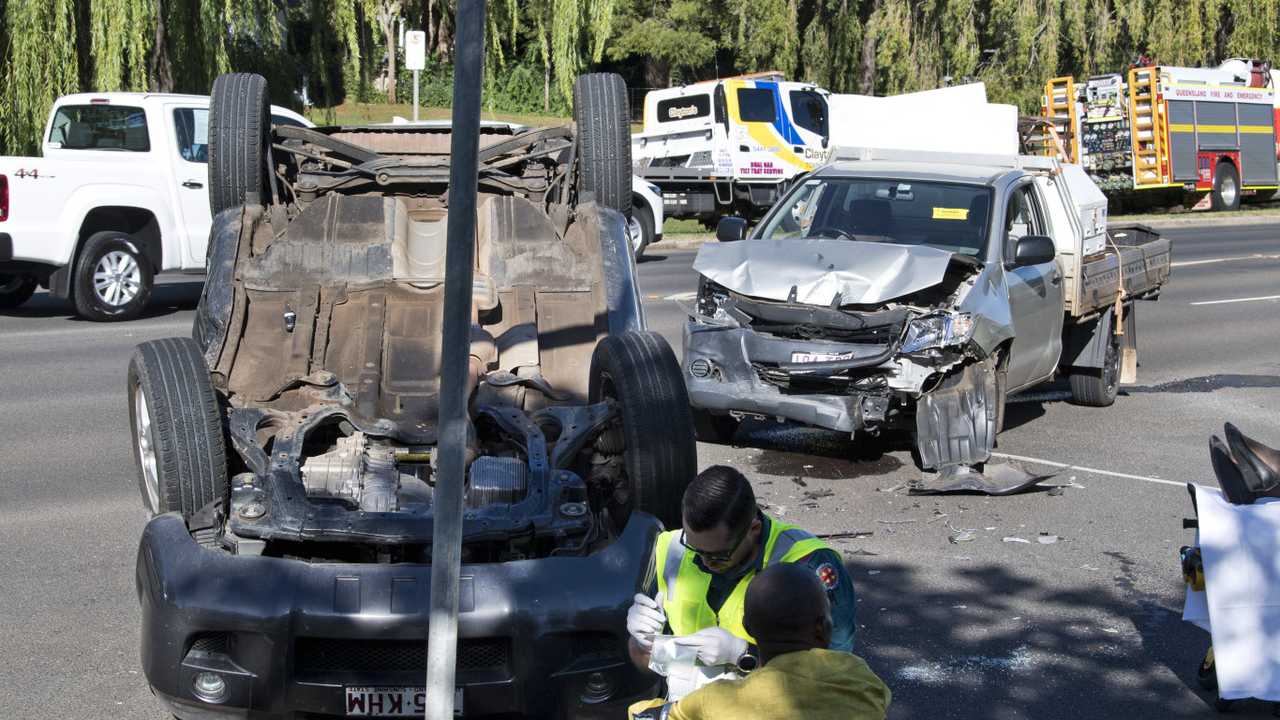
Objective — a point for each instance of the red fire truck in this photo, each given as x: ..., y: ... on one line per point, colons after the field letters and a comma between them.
x: 1172, y: 133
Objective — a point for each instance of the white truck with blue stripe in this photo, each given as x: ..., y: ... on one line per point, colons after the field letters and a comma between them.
x: 731, y: 146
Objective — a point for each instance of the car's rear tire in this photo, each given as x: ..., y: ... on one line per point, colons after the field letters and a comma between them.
x: 16, y: 289
x: 1098, y: 387
x: 177, y: 428
x: 239, y: 135
x: 113, y: 278
x: 640, y: 372
x: 603, y: 120
x: 640, y: 229
x: 1226, y: 187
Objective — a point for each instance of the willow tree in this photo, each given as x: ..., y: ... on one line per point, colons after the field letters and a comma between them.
x: 40, y: 63
x: 121, y: 35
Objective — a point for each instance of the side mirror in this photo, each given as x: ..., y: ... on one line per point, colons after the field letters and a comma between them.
x: 731, y: 229
x: 1033, y: 250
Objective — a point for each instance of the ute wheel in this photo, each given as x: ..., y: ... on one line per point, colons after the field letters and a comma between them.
x: 239, y: 135
x: 603, y: 121
x: 712, y: 428
x: 113, y: 278
x: 640, y: 372
x: 16, y: 289
x: 640, y: 229
x: 177, y: 428
x: 1226, y: 187
x: 1097, y: 387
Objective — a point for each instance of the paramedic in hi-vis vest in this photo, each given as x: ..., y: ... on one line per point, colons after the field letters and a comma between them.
x: 703, y: 569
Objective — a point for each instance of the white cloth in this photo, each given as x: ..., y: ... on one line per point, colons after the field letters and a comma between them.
x: 678, y: 662
x: 1240, y: 546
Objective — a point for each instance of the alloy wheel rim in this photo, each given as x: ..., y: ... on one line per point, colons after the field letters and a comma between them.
x: 117, y: 278
x: 635, y: 233
x: 146, y: 449
x: 1228, y: 191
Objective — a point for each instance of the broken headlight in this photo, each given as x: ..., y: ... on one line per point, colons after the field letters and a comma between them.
x: 937, y: 331
x: 711, y: 301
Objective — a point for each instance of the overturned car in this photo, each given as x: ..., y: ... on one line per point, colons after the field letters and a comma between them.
x: 917, y: 291
x: 288, y: 450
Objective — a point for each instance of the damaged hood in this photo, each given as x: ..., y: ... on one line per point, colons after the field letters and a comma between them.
x: 861, y: 273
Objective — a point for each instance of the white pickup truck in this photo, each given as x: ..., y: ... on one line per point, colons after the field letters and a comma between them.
x: 118, y: 195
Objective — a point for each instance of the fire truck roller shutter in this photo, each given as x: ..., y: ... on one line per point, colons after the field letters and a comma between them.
x: 1182, y: 140
x: 1257, y: 145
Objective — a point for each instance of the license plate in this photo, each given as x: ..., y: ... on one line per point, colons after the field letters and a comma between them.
x: 393, y: 701
x: 816, y: 357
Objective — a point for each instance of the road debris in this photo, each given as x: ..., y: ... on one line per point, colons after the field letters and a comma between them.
x: 960, y: 536
x: 898, y: 522
x: 873, y: 572
x: 846, y: 534
x: 818, y: 494
x: 799, y: 481
x: 1057, y: 490
x: 1047, y: 539
x: 895, y: 488
x: 1012, y: 539
x: 998, y: 480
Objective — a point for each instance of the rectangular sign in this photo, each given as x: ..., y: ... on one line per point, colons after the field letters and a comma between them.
x: 415, y: 50
x: 393, y: 701
x: 1220, y: 93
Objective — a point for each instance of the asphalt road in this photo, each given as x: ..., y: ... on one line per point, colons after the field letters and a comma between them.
x: 1086, y: 627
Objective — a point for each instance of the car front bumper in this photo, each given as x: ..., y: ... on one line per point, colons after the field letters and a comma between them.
x: 536, y: 637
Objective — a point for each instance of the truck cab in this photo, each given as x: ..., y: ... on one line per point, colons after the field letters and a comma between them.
x: 118, y: 194
x: 731, y: 145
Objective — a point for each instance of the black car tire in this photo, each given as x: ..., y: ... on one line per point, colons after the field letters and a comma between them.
x: 16, y: 289
x: 239, y: 135
x: 714, y: 428
x: 640, y: 372
x: 1226, y: 187
x: 603, y: 121
x: 1098, y: 387
x: 642, y: 217
x: 177, y: 431
x: 108, y: 258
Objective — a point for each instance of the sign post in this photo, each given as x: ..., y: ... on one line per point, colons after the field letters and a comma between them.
x: 415, y: 59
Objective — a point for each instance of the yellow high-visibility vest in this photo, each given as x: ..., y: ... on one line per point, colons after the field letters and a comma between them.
x: 684, y: 586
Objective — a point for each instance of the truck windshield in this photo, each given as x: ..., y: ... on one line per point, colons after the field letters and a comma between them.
x: 947, y: 216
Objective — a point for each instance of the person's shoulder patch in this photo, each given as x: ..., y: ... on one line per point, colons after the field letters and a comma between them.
x: 828, y: 575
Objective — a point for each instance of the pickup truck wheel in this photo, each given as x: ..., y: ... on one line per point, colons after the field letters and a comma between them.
x: 16, y: 289
x: 1097, y: 387
x: 640, y: 372
x: 603, y: 121
x: 640, y: 229
x: 239, y: 135
x: 113, y: 279
x: 177, y: 428
x: 1226, y: 187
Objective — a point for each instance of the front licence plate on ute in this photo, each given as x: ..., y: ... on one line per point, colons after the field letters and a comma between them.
x: 816, y: 357
x: 393, y: 701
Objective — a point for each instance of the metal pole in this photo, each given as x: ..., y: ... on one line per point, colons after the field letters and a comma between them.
x: 446, y: 542
x: 415, y: 96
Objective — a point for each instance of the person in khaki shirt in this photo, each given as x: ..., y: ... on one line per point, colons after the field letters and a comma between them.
x: 788, y: 613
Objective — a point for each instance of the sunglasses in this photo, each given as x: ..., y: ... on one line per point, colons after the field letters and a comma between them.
x: 718, y: 558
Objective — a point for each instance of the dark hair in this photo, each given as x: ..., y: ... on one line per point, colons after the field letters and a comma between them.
x: 720, y: 494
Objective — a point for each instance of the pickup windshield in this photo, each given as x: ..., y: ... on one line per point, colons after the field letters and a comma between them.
x: 947, y: 216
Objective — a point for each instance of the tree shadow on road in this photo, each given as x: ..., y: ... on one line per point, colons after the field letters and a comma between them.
x: 988, y: 642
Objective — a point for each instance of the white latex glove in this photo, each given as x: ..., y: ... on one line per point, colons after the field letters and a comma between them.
x: 646, y: 619
x: 716, y: 646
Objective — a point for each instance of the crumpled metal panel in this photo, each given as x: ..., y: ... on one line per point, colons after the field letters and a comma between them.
x: 956, y: 422
x: 861, y: 273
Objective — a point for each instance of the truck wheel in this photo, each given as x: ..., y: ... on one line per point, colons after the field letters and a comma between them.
x: 712, y: 428
x: 640, y: 229
x: 113, y: 278
x: 177, y: 428
x: 239, y: 135
x: 16, y: 289
x: 640, y: 372
x: 603, y: 121
x: 1226, y: 187
x: 1097, y: 387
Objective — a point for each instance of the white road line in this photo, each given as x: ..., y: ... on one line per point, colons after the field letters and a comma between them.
x: 1094, y: 471
x: 1237, y: 300
x: 1209, y: 261
x: 97, y: 329
x: 682, y: 297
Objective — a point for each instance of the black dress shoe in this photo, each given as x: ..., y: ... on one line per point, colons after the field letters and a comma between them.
x: 1229, y: 476
x: 1259, y: 464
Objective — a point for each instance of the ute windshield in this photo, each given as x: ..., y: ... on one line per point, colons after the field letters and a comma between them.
x: 947, y: 216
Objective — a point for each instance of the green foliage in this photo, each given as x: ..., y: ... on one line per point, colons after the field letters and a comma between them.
x: 41, y: 63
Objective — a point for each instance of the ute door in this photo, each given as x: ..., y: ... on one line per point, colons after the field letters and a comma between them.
x: 1035, y: 293
x: 189, y: 129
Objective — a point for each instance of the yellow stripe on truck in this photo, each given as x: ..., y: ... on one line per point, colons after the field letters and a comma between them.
x: 762, y: 133
x: 1225, y: 129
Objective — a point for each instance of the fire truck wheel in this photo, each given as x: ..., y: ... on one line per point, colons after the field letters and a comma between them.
x: 1226, y: 187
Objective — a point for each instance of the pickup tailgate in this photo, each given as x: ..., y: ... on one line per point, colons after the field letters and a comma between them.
x: 1136, y: 257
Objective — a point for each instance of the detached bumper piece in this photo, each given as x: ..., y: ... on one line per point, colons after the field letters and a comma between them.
x: 267, y: 638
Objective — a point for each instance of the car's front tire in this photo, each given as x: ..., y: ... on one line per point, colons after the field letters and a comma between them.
x: 16, y: 289
x: 113, y: 278
x: 640, y: 372
x: 176, y: 428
